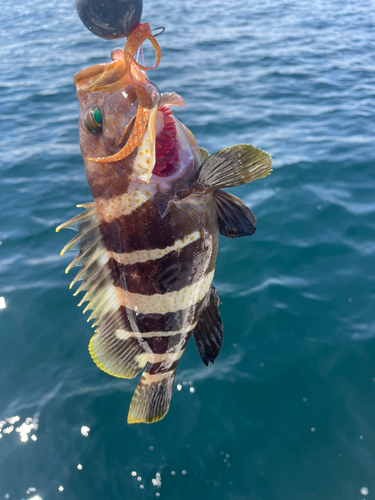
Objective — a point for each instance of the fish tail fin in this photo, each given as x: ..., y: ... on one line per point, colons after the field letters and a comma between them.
x: 152, y: 396
x: 232, y: 167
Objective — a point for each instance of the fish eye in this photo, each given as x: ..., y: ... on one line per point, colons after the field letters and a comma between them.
x: 93, y: 120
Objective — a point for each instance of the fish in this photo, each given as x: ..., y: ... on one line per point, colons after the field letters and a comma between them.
x: 148, y: 242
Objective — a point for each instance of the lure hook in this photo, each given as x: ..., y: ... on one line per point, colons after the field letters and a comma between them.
x: 160, y: 32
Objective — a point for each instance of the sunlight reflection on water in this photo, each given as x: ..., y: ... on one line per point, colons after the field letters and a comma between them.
x: 30, y: 424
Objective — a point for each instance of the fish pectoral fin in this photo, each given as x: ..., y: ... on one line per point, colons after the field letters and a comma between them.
x: 152, y: 396
x: 204, y: 153
x: 208, y: 334
x: 232, y: 167
x: 234, y: 218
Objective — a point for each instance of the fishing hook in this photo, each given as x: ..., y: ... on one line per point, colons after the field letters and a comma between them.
x: 160, y: 32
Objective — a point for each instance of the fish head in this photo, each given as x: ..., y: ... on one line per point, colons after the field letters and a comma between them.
x: 121, y: 110
x: 108, y: 108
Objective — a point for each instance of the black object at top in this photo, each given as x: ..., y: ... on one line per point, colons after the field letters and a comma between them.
x: 110, y: 19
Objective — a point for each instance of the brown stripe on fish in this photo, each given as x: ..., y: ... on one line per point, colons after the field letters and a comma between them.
x: 167, y: 345
x: 170, y: 273
x: 144, y: 229
x: 158, y: 368
x: 162, y: 351
x: 165, y: 361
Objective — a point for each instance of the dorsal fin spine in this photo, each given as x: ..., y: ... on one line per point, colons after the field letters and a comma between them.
x: 77, y: 238
x: 98, y: 300
x: 86, y: 266
x: 76, y: 261
x: 84, y: 215
x: 102, y: 310
x: 93, y: 290
x: 87, y: 282
x: 79, y: 275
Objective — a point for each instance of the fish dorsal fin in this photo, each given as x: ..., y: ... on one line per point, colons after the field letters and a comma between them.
x: 171, y: 99
x: 232, y: 167
x: 208, y: 334
x: 115, y: 353
x: 234, y: 218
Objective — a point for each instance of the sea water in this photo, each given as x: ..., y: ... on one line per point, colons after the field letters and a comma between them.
x: 287, y: 412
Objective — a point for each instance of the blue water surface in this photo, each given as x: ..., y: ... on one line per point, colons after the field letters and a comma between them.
x: 288, y: 410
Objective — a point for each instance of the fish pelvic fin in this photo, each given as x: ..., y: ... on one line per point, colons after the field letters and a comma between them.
x: 152, y: 397
x: 234, y: 218
x: 208, y: 334
x: 232, y: 167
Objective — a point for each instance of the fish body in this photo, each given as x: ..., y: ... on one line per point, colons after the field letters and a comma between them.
x: 148, y: 242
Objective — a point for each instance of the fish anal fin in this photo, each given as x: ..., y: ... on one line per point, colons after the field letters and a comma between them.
x: 208, y: 334
x: 234, y: 218
x: 119, y: 357
x: 152, y: 396
x: 232, y: 167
